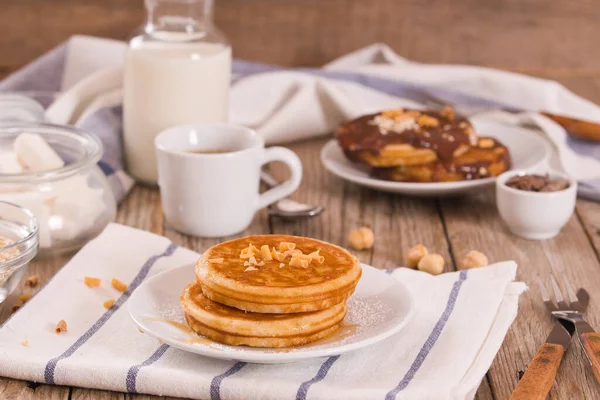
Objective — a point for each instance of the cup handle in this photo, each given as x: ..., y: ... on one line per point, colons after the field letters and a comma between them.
x: 288, y: 187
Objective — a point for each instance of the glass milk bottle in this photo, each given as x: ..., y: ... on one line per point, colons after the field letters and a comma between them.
x: 177, y: 71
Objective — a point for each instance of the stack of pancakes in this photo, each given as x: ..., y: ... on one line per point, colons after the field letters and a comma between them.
x: 421, y: 146
x: 270, y: 291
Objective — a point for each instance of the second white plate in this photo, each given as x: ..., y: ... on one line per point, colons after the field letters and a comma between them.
x: 527, y: 149
x: 379, y: 307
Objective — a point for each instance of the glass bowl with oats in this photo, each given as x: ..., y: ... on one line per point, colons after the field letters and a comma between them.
x: 19, y: 243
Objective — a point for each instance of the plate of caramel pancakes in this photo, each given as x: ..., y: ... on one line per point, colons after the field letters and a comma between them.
x: 429, y: 153
x: 272, y: 299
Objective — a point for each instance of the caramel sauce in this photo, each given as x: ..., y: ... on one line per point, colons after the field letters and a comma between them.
x: 194, y: 339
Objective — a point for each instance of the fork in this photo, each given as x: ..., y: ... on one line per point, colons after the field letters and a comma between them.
x: 573, y: 311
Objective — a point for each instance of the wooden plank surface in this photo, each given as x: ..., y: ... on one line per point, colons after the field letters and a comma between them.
x: 527, y: 35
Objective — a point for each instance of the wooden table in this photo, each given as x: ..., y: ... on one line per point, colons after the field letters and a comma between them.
x: 451, y: 227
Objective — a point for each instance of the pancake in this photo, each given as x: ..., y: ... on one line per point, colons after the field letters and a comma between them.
x: 232, y: 326
x: 477, y: 163
x: 274, y: 286
x: 405, y: 137
x: 276, y: 342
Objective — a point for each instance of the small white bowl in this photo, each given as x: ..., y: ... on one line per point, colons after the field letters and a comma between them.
x: 535, y: 215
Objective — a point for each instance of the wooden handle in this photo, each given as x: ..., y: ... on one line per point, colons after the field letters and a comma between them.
x: 578, y: 128
x: 591, y: 345
x: 540, y: 374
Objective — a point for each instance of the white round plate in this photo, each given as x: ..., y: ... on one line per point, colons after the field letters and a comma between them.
x: 527, y: 149
x: 379, y: 307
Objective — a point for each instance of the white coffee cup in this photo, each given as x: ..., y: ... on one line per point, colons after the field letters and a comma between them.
x: 217, y: 194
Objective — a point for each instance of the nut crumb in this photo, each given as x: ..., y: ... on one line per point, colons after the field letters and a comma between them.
x: 361, y: 238
x: 25, y: 343
x: 281, y: 265
x: 118, y: 285
x: 24, y: 297
x: 474, y: 259
x: 61, y: 326
x: 91, y: 282
x: 32, y: 281
x: 109, y: 303
x: 216, y: 260
x: 251, y: 268
x: 141, y: 331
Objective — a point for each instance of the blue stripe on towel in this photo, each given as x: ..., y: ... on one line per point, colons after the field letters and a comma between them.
x: 432, y: 339
x: 131, y: 379
x: 51, y: 365
x: 321, y: 374
x: 215, y: 385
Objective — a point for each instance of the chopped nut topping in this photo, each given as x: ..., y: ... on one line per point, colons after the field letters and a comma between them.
x: 25, y: 343
x: 483, y: 171
x: 61, y: 326
x: 392, y: 114
x: 91, y: 281
x: 24, y: 297
x: 315, y: 256
x: 118, y: 285
x: 281, y: 265
x: 216, y: 260
x: 250, y: 269
x: 448, y: 112
x: 486, y: 143
x: 32, y: 281
x: 277, y: 255
x: 296, y: 261
x: 426, y: 120
x: 266, y: 253
x: 108, y: 303
x: 284, y: 246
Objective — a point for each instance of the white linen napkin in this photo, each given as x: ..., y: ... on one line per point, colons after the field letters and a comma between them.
x: 443, y: 353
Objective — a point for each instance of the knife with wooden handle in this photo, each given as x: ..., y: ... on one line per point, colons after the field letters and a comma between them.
x: 537, y: 380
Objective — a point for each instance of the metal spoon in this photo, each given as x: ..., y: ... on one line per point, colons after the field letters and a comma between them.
x: 288, y: 208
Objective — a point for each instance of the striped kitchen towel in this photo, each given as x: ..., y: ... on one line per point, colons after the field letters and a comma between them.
x: 284, y: 105
x: 443, y: 353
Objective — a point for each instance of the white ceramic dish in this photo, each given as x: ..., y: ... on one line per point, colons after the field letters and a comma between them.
x: 379, y: 307
x: 534, y: 215
x: 528, y: 151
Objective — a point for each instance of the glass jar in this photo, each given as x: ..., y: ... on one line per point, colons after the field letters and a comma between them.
x: 18, y: 245
x: 177, y: 71
x: 73, y: 203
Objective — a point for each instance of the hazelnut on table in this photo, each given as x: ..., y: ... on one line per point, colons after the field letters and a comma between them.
x: 432, y: 263
x: 415, y: 254
x: 361, y: 238
x: 474, y: 259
